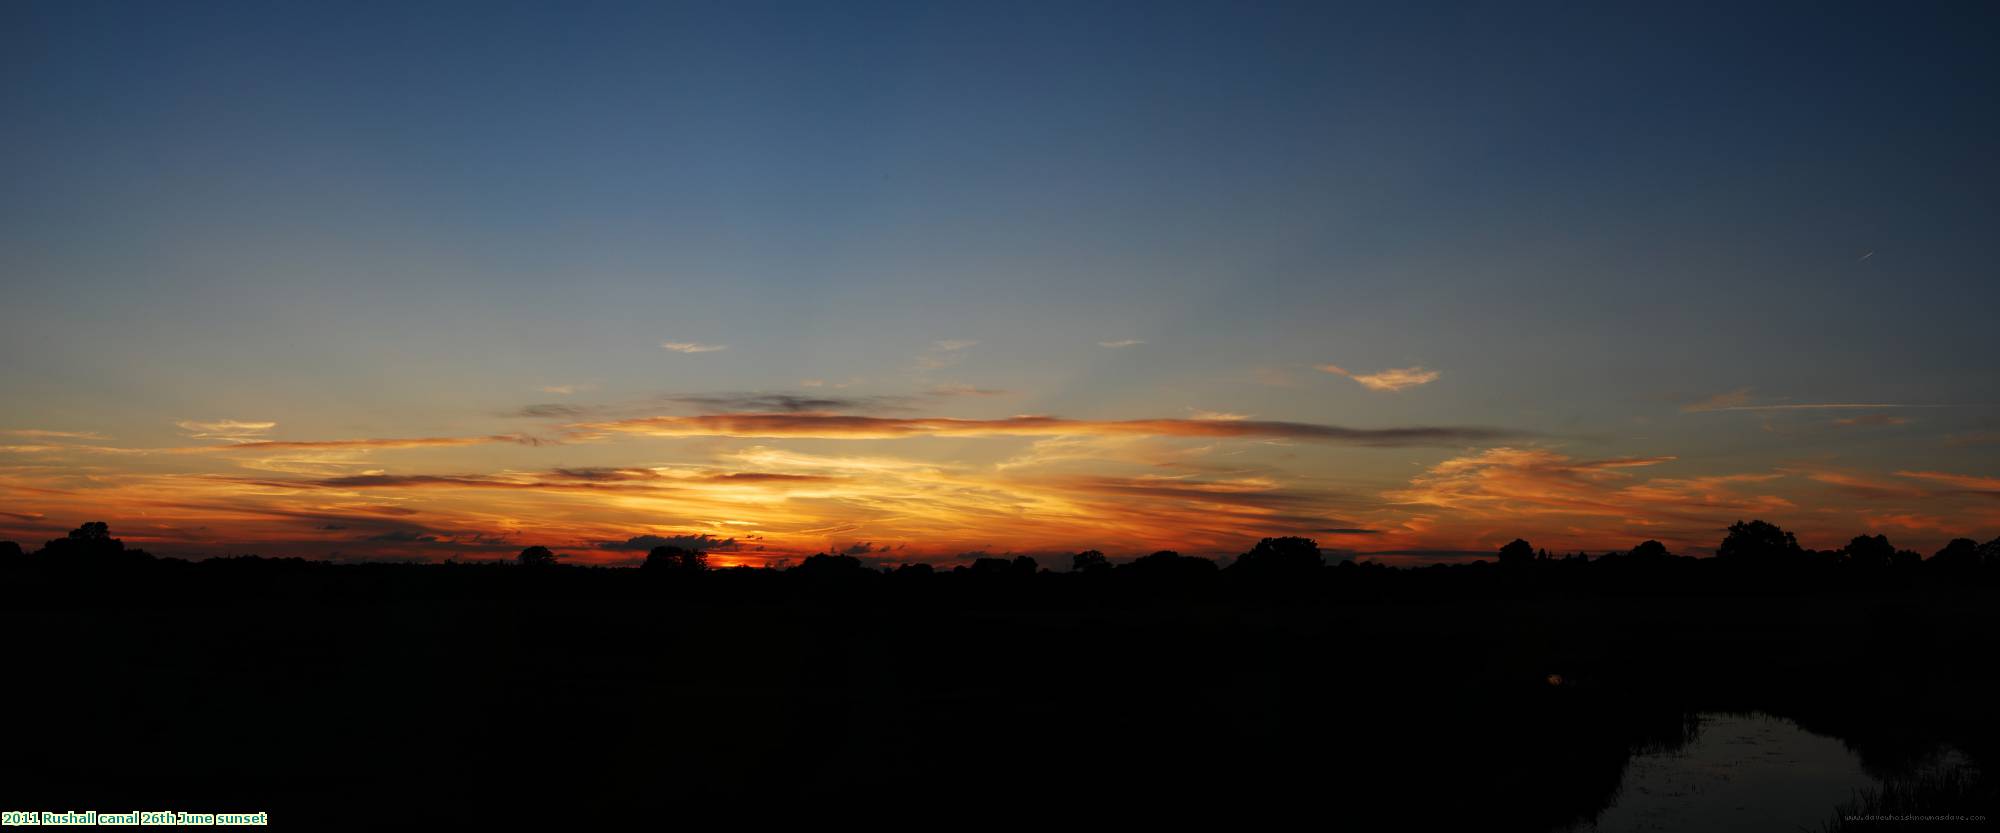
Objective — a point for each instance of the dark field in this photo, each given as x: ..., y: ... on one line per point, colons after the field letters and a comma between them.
x: 336, y: 694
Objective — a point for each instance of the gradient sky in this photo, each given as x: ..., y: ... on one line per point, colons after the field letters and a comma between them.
x: 421, y: 280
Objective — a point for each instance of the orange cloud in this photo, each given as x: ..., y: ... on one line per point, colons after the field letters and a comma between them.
x: 1719, y: 402
x: 224, y: 429
x: 850, y: 427
x: 692, y: 347
x: 1394, y: 379
x: 41, y: 434
x: 1870, y: 420
x: 1967, y: 482
x: 1577, y: 503
x: 402, y: 442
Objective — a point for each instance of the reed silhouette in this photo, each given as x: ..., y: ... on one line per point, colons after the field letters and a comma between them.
x: 1498, y: 695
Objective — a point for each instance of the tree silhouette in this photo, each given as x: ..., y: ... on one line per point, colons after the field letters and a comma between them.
x: 992, y: 566
x: 537, y: 556
x: 1089, y: 561
x: 1872, y: 552
x: 10, y: 553
x: 1960, y: 555
x: 1169, y: 565
x: 1757, y: 542
x: 1279, y: 557
x: 1651, y: 551
x: 1517, y: 552
x: 676, y: 559
x: 822, y: 564
x: 92, y: 538
x: 91, y: 545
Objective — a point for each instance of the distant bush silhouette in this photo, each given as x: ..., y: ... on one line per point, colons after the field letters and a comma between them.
x: 1757, y: 543
x: 90, y: 546
x: 991, y: 567
x: 1019, y: 566
x: 1169, y: 565
x: 1870, y: 552
x: 1650, y: 551
x: 676, y: 559
x: 1754, y: 556
x: 1279, y: 558
x: 1089, y: 561
x: 1961, y: 555
x: 822, y: 564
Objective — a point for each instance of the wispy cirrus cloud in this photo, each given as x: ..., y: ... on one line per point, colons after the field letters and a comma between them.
x: 553, y: 410
x: 1489, y: 494
x: 1824, y: 406
x: 1740, y: 400
x: 692, y: 347
x: 1719, y: 402
x: 962, y: 390
x: 944, y: 353
x: 1393, y: 379
x: 854, y: 427
x: 372, y: 442
x: 1122, y: 343
x: 557, y: 480
x: 224, y: 429
x: 1967, y: 482
x: 786, y: 402
x: 1870, y: 421
x: 43, y: 434
x: 747, y: 401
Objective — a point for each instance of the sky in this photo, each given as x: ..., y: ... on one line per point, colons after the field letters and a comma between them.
x: 920, y: 282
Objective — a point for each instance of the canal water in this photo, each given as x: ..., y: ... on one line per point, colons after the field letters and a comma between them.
x: 1742, y: 772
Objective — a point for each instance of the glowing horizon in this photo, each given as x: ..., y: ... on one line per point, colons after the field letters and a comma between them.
x: 876, y: 486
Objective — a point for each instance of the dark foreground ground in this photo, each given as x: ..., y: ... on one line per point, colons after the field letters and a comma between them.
x: 353, y: 695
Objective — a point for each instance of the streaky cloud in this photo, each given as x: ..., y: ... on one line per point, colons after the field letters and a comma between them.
x: 1740, y: 400
x: 224, y: 429
x: 963, y: 390
x: 1968, y: 482
x: 700, y: 541
x: 398, y: 442
x: 42, y: 434
x: 1391, y: 380
x: 786, y: 402
x: 855, y: 427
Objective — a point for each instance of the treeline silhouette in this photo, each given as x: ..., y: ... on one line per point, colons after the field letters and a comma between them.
x: 1501, y: 694
x: 1752, y: 557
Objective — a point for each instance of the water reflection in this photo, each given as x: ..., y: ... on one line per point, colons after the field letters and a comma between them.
x: 1747, y: 772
